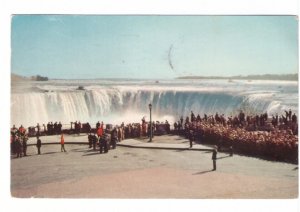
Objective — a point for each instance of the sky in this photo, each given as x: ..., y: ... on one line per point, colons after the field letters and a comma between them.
x: 152, y: 47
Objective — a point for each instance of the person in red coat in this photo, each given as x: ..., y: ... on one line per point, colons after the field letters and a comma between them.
x: 62, y: 143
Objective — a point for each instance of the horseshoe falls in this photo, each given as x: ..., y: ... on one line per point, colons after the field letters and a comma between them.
x: 117, y: 101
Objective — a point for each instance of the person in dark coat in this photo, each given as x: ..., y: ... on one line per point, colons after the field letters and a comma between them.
x: 106, y: 142
x: 214, y: 158
x: 90, y: 139
x: 38, y: 127
x: 191, y: 138
x: 24, y: 143
x: 95, y: 139
x: 114, y: 138
x: 59, y: 126
x: 38, y: 145
x: 97, y: 125
x: 51, y: 128
x: 19, y: 147
x: 230, y: 151
x: 88, y: 127
x: 102, y: 144
x: 55, y: 128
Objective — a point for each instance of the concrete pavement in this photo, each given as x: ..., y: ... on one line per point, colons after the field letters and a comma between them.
x: 126, y: 172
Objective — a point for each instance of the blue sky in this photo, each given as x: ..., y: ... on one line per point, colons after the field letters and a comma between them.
x: 66, y: 46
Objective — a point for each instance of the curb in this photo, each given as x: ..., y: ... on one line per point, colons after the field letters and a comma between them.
x: 128, y: 146
x: 165, y: 148
x: 59, y: 143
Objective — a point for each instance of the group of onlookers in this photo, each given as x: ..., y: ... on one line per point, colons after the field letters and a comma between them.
x: 253, y: 135
x: 18, y: 141
x: 280, y: 143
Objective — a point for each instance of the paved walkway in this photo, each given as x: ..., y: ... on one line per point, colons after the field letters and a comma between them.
x: 126, y: 172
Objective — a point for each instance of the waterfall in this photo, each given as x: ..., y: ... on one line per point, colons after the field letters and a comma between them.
x: 114, y: 104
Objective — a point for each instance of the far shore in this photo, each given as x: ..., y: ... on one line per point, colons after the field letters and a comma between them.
x: 283, y: 77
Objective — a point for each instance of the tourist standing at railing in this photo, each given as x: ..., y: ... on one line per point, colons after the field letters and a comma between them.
x: 288, y: 114
x: 198, y: 118
x: 48, y: 128
x: 193, y: 117
x: 45, y: 129
x: 88, y: 127
x: 119, y: 132
x: 123, y: 131
x: 14, y: 130
x: 51, y: 128
x: 59, y: 126
x: 294, y: 118
x: 97, y: 125
x: 38, y: 129
x: 175, y: 128
x: 144, y: 127
x: 168, y: 128
x: 79, y: 127
x: 181, y: 120
x: 55, y: 129
x: 22, y: 129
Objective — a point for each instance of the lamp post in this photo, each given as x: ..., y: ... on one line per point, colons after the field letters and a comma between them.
x: 150, y: 108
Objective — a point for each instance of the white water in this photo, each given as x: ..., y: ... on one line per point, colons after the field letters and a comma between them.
x: 114, y: 101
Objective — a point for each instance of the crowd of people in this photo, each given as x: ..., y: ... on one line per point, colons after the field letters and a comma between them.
x: 258, y: 135
x: 52, y: 129
x: 106, y: 138
x: 18, y: 141
x: 256, y: 122
x: 245, y: 134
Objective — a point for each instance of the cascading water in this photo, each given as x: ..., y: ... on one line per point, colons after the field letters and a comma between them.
x: 128, y: 101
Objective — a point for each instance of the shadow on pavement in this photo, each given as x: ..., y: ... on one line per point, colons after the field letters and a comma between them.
x: 49, y: 153
x: 228, y: 156
x: 14, y: 157
x: 83, y: 150
x: 94, y: 153
x: 179, y: 139
x: 203, y: 172
x: 179, y: 150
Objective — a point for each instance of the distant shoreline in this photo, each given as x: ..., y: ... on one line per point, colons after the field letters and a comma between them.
x: 286, y: 77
